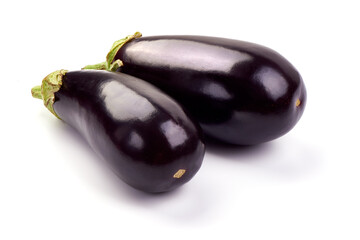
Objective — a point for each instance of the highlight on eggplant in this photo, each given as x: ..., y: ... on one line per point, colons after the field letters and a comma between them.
x: 145, y: 136
x: 240, y: 92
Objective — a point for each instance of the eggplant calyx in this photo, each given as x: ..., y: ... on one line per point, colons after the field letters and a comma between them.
x: 49, y: 86
x: 110, y: 64
x: 116, y: 47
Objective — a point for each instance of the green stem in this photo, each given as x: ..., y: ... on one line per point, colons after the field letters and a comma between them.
x: 49, y: 86
x: 110, y: 64
x: 99, y: 66
x: 36, y: 92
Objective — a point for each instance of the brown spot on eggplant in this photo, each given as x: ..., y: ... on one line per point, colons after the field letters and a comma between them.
x: 240, y: 92
x: 179, y: 173
x: 142, y: 133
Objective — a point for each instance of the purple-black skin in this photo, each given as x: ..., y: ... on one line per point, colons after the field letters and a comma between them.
x: 240, y: 93
x: 143, y: 134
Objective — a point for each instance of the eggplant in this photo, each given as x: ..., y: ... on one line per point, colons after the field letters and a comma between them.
x: 143, y: 134
x: 240, y: 92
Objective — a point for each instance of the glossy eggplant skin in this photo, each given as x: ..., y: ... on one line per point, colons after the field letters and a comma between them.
x: 143, y: 134
x: 240, y: 93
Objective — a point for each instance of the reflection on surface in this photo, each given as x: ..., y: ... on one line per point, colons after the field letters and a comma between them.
x: 272, y: 82
x: 175, y: 134
x: 125, y: 104
x: 215, y: 90
x: 136, y: 141
x: 186, y: 54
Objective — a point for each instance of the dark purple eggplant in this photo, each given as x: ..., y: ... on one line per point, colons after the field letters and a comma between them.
x: 240, y: 92
x: 144, y: 135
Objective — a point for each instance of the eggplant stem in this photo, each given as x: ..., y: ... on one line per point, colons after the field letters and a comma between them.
x: 115, y: 65
x: 36, y: 92
x: 98, y: 66
x: 110, y: 64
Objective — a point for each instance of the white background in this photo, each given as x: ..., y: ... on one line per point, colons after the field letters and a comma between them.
x: 304, y: 185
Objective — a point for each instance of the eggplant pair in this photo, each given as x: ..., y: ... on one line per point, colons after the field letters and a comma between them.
x: 150, y: 132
